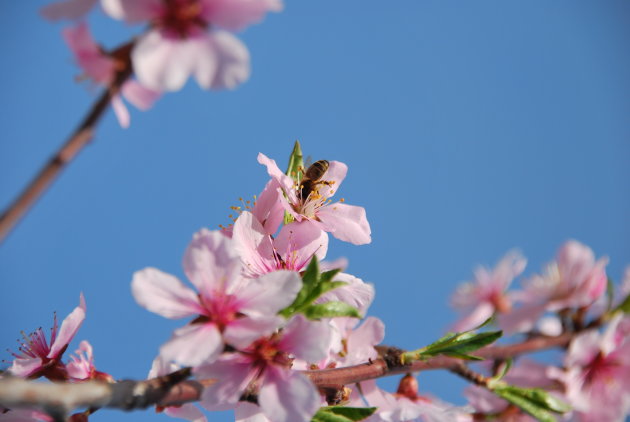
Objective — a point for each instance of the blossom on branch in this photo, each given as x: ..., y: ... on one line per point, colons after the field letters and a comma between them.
x: 264, y: 370
x: 345, y: 222
x: 183, y: 40
x: 484, y: 296
x: 36, y: 357
x: 102, y: 68
x: 229, y: 308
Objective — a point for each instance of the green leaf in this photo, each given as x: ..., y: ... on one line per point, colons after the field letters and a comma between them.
x: 535, y: 401
x: 526, y: 405
x: 610, y: 293
x: 457, y: 345
x: 331, y: 310
x: 343, y: 414
x: 624, y: 306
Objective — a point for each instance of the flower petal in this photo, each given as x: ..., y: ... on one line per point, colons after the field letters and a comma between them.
x: 361, y: 341
x: 164, y: 294
x: 244, y: 331
x: 270, y: 293
x: 23, y: 368
x: 193, y: 344
x: 210, y: 261
x: 253, y: 245
x: 139, y: 95
x: 288, y: 396
x: 237, y: 14
x: 122, y: 114
x: 186, y: 411
x: 335, y: 173
x: 298, y: 242
x: 345, y: 222
x: 69, y: 328
x: 132, y: 10
x: 222, y: 61
x: 285, y: 182
x: 307, y: 340
x: 268, y: 208
x: 233, y: 373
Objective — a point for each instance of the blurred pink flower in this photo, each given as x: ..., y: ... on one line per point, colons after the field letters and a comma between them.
x: 180, y: 44
x: 292, y: 249
x: 24, y: 415
x: 486, y: 294
x: 264, y: 368
x: 67, y: 9
x: 345, y: 222
x: 81, y: 365
x: 37, y: 358
x: 229, y: 308
x: 101, y: 68
x: 597, y: 375
x: 574, y: 280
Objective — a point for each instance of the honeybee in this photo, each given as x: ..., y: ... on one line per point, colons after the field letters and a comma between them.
x: 312, y: 177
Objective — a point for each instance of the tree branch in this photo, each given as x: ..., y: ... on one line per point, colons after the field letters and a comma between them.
x: 79, y: 139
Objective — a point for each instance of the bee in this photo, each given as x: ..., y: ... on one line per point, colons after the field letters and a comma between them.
x: 312, y: 178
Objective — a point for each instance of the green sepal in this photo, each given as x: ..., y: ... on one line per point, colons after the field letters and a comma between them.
x: 331, y: 310
x: 343, y: 414
x: 535, y: 401
x: 315, y: 284
x: 296, y: 162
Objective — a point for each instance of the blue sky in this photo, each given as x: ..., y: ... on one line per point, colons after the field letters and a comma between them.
x: 469, y: 128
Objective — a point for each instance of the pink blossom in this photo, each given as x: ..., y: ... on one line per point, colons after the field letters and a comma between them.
x: 179, y: 43
x: 81, y: 365
x: 345, y: 222
x: 24, y: 415
x: 186, y: 411
x: 292, y: 249
x: 67, y: 9
x: 228, y: 307
x: 397, y: 408
x: 102, y: 68
x: 597, y: 376
x: 574, y: 280
x: 264, y: 368
x: 486, y: 294
x: 37, y: 358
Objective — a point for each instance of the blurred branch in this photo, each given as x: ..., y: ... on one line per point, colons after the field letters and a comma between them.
x: 79, y: 139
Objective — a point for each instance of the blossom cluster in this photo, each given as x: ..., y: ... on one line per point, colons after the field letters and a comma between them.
x: 263, y: 309
x: 570, y: 294
x: 183, y: 38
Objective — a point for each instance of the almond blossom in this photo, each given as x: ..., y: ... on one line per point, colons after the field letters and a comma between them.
x: 292, y: 249
x: 102, y: 68
x: 597, y: 376
x: 345, y: 222
x: 81, y: 365
x: 36, y: 357
x: 228, y: 307
x: 574, y: 280
x: 180, y: 42
x: 264, y: 369
x: 486, y: 294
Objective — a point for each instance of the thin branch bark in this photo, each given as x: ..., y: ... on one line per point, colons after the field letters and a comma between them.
x: 79, y: 139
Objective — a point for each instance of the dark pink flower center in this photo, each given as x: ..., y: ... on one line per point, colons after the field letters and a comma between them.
x: 266, y: 352
x: 601, y: 368
x: 221, y: 309
x: 181, y: 18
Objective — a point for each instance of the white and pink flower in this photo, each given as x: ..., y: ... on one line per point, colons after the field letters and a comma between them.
x: 597, y: 375
x: 183, y: 41
x: 345, y: 222
x: 102, y: 68
x: 228, y: 308
x: 486, y: 294
x: 264, y: 369
x: 292, y: 249
x: 37, y: 357
x: 575, y: 279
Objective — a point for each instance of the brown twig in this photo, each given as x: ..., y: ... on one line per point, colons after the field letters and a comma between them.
x: 79, y: 139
